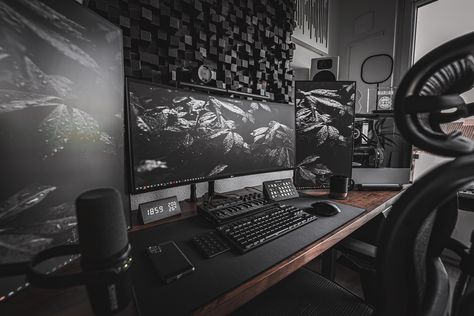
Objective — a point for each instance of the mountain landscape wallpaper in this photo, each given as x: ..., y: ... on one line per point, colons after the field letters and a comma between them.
x: 61, y: 122
x: 180, y: 136
x: 324, y: 127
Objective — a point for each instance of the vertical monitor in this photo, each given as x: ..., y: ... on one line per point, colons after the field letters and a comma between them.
x: 324, y: 125
x: 179, y: 136
x: 61, y: 123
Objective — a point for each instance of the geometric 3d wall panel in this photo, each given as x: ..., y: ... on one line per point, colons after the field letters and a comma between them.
x: 247, y: 43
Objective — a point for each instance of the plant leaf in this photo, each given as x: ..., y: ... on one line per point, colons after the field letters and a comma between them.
x: 196, y: 105
x: 331, y: 103
x: 303, y: 114
x: 173, y: 129
x: 265, y: 107
x: 24, y: 199
x: 238, y: 140
x: 306, y: 174
x: 207, y: 119
x: 283, y: 157
x: 273, y: 126
x: 39, y: 82
x: 58, y: 128
x: 55, y: 18
x: 273, y: 155
x: 184, y: 124
x: 188, y: 140
x: 333, y: 133
x: 142, y: 125
x: 259, y: 131
x: 149, y: 165
x: 259, y: 137
x: 308, y: 160
x: 49, y: 227
x: 326, y: 118
x: 63, y: 210
x: 325, y: 93
x: 320, y: 169
x: 179, y: 99
x: 311, y: 126
x: 11, y: 100
x: 85, y: 126
x: 228, y: 142
x: 50, y: 36
x: 286, y: 129
x: 248, y: 117
x: 217, y: 169
x: 230, y: 124
x: 322, y: 135
x: 219, y: 133
x: 227, y: 105
x: 20, y: 247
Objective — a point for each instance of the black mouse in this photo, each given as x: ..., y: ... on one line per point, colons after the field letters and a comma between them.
x: 323, y: 208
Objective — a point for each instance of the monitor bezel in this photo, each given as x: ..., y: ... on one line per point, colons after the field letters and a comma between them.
x: 133, y: 187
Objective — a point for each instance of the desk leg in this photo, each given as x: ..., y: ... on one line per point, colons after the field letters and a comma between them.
x: 328, y: 264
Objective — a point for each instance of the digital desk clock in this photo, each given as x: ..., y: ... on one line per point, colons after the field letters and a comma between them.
x: 156, y: 210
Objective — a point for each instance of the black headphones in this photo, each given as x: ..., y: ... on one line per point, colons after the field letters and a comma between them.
x: 429, y: 95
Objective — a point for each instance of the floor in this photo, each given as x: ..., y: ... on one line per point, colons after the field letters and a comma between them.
x: 350, y: 280
x: 346, y: 277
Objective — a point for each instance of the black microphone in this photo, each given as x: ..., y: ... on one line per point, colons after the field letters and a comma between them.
x: 105, y: 254
x: 104, y: 246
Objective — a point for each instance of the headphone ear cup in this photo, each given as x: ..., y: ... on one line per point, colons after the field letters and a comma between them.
x: 429, y: 96
x: 455, y: 78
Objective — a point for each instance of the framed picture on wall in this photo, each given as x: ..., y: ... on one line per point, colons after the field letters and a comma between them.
x: 324, y: 127
x: 312, y: 25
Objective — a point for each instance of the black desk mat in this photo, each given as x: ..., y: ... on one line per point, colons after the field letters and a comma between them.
x: 216, y: 276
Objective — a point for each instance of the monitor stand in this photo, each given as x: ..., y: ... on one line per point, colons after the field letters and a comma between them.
x: 211, y: 194
x: 192, y: 193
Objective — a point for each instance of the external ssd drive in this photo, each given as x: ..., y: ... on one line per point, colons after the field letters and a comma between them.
x: 169, y: 261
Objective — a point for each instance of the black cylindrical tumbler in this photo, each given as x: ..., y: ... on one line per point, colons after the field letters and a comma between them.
x: 339, y: 186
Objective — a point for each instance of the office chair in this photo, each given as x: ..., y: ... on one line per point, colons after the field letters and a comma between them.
x: 438, y: 78
x: 410, y: 276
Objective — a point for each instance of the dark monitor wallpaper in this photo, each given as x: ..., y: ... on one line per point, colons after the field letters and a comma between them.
x: 61, y: 122
x: 180, y: 136
x: 324, y: 128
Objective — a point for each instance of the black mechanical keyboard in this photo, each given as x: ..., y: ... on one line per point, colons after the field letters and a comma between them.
x: 269, y: 223
x: 231, y: 209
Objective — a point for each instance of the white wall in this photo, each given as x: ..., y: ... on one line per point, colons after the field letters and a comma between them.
x: 302, y: 57
x: 437, y: 23
x: 440, y: 22
x: 362, y: 28
x: 301, y: 63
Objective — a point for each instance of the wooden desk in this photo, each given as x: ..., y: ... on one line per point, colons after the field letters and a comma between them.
x: 74, y: 301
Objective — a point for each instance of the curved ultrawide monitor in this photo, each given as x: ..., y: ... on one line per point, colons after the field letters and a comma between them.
x: 179, y: 136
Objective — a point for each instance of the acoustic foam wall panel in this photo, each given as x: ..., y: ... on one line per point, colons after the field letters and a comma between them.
x: 247, y: 43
